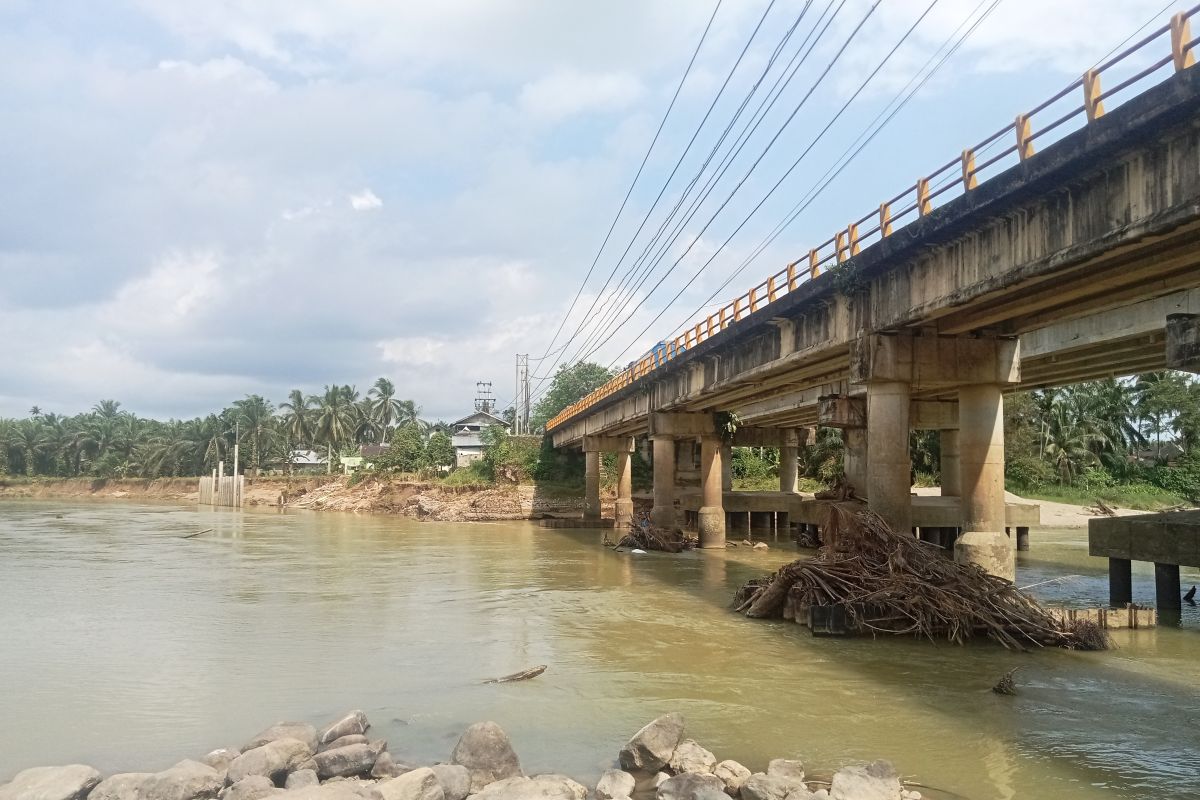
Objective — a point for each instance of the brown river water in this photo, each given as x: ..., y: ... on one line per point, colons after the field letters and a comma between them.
x: 127, y: 647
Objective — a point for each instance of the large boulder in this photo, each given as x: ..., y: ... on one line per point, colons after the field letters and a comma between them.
x: 342, y: 790
x: 72, y: 782
x: 354, y: 722
x: 733, y: 775
x: 301, y: 778
x: 615, y: 784
x: 221, y: 759
x: 419, y: 784
x: 485, y: 750
x: 274, y: 760
x: 692, y: 786
x: 300, y: 731
x: 876, y: 781
x: 689, y: 756
x: 187, y: 780
x: 455, y: 780
x: 651, y: 748
x: 788, y: 768
x: 122, y: 786
x: 384, y: 767
x: 760, y: 786
x: 344, y: 741
x: 252, y: 787
x: 539, y: 787
x: 344, y: 762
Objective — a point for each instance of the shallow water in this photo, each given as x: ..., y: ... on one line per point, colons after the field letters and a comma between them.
x: 128, y: 648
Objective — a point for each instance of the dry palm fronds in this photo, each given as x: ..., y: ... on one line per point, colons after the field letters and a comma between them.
x: 897, y: 584
x: 645, y: 536
x: 1006, y: 684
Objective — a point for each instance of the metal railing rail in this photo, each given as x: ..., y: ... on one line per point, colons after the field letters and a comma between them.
x: 917, y: 198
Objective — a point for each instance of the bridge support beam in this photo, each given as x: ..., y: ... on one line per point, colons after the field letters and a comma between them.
x: 951, y: 474
x: 591, y: 486
x: 711, y: 517
x: 854, y: 459
x: 889, y: 470
x: 981, y: 466
x: 662, y: 515
x: 789, y: 459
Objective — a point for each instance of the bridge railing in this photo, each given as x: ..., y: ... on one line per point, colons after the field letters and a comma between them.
x: 961, y: 173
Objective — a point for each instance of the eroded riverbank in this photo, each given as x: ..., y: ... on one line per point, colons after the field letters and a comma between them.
x: 127, y: 647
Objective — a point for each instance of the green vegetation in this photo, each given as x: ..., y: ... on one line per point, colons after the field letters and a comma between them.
x: 108, y: 442
x: 1129, y: 442
x: 570, y: 384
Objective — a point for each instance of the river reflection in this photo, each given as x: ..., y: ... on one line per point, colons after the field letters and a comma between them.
x: 129, y: 648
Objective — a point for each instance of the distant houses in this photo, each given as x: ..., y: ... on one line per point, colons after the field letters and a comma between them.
x: 467, y: 436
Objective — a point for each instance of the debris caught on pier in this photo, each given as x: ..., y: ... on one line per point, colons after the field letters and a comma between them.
x: 890, y: 583
x: 645, y: 536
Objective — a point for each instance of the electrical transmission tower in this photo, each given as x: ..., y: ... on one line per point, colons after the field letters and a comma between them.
x: 485, y: 401
x: 521, y: 407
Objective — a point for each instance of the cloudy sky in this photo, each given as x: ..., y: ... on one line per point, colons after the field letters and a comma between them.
x: 200, y: 200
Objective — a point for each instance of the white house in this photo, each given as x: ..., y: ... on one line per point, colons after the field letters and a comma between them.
x: 466, y: 436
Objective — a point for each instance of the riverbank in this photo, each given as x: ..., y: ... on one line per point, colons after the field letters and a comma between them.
x: 342, y: 762
x: 415, y: 499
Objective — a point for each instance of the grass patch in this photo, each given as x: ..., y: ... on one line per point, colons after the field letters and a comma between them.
x: 1139, y: 496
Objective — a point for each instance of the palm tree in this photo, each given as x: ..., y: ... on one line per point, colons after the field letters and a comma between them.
x: 384, y: 405
x: 31, y: 441
x: 409, y: 413
x: 257, y: 426
x: 297, y: 423
x: 331, y: 426
x: 107, y: 409
x: 1069, y: 444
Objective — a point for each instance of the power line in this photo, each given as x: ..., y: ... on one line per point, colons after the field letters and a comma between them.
x: 779, y: 182
x: 864, y: 139
x: 744, y: 137
x: 595, y: 321
x: 636, y: 176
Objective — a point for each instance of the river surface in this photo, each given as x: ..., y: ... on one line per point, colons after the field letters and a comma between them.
x: 127, y: 647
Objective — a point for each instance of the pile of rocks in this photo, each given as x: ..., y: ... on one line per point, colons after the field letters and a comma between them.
x: 341, y: 762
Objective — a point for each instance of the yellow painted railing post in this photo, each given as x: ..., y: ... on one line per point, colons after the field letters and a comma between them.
x: 968, y: 170
x: 852, y: 236
x: 924, y: 206
x: 754, y: 300
x: 1181, y: 34
x: 722, y: 317
x: 1091, y: 95
x: 839, y: 243
x: 737, y: 309
x: 814, y: 268
x: 885, y: 219
x: 710, y: 327
x: 696, y: 334
x: 771, y: 289
x: 1024, y: 141
x: 791, y: 273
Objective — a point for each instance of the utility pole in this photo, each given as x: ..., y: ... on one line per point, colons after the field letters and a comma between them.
x: 521, y: 406
x: 485, y: 401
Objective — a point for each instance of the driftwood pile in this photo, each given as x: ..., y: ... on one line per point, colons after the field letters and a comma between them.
x: 642, y: 535
x: 896, y: 584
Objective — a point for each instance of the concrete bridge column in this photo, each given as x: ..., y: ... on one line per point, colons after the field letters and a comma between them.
x: 951, y: 473
x: 854, y: 459
x: 889, y: 470
x: 711, y: 517
x: 591, y: 486
x: 727, y: 468
x: 789, y: 461
x: 623, y: 508
x: 981, y: 464
x: 662, y: 515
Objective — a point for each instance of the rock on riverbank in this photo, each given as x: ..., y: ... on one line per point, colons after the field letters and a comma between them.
x: 295, y: 761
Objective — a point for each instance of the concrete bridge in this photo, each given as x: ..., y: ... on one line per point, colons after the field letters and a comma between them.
x: 1079, y: 261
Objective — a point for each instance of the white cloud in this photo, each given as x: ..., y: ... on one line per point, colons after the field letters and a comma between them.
x: 366, y: 200
x: 566, y: 93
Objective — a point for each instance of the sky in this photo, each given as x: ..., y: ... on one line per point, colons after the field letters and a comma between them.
x: 204, y: 200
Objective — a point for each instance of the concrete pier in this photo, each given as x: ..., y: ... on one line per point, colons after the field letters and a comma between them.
x: 1120, y: 582
x: 854, y: 459
x: 789, y: 461
x: 1167, y: 595
x: 662, y: 515
x: 951, y: 474
x: 591, y: 486
x: 1169, y: 540
x: 981, y: 466
x: 889, y: 470
x: 710, y: 518
x: 623, y: 508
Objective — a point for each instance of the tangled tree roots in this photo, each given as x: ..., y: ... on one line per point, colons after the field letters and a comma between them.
x: 897, y: 584
x: 647, y: 537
